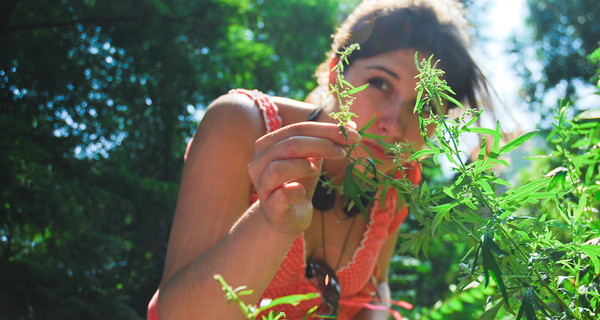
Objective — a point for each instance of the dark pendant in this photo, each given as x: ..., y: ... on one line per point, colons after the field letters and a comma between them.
x: 323, y: 198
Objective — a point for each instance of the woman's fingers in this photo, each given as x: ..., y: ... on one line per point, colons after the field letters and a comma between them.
x: 288, y: 209
x: 279, y: 172
x: 308, y: 129
x: 302, y: 140
x: 293, y: 201
x: 285, y: 169
x: 296, y: 147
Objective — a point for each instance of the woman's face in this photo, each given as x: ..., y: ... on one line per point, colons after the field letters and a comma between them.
x: 391, y: 96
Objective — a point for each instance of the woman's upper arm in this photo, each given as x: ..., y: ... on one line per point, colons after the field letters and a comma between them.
x: 215, y: 186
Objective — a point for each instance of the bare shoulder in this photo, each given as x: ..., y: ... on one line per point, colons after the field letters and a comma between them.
x: 238, y: 107
x: 231, y: 119
x: 232, y: 109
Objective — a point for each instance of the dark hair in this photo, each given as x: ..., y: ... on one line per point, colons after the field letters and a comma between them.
x: 435, y: 27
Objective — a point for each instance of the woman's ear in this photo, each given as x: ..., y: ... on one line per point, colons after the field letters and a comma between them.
x: 333, y: 73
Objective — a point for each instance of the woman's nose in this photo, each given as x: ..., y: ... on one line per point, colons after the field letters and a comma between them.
x: 390, y: 121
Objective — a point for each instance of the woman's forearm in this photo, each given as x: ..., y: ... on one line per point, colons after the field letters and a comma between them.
x: 248, y: 255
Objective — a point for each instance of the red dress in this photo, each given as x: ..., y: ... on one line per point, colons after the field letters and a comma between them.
x: 355, y: 276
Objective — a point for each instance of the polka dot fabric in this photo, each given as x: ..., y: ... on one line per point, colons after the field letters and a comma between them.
x: 354, y: 277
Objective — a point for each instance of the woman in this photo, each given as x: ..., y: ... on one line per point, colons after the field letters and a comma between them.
x: 250, y: 206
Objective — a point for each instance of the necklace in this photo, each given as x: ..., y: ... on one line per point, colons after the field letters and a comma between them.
x: 337, y: 265
x: 339, y: 219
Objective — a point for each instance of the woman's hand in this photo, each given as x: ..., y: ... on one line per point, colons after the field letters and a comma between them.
x: 285, y: 168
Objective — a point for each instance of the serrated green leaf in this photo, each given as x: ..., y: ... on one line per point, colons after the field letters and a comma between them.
x: 593, y: 251
x: 491, y: 313
x: 418, y: 101
x: 373, y: 136
x: 528, y: 305
x: 480, y: 130
x: 344, y: 131
x: 469, y: 217
x: 451, y: 99
x: 311, y: 311
x: 512, y: 145
x: 493, y: 245
x: 485, y: 185
x: 353, y: 193
x: 497, y: 138
x: 357, y: 90
x: 490, y: 266
x: 373, y: 168
x: 481, y: 157
x: 590, y: 174
x: 469, y: 204
x: 497, y: 180
x: 542, y: 195
x: 245, y: 292
x: 347, y: 84
x: 294, y: 300
x: 466, y: 126
x: 494, y: 162
x: 525, y: 190
x: 369, y: 153
x: 423, y: 152
x: 450, y: 192
x: 559, y: 179
x: 581, y: 207
x: 442, y: 213
x: 363, y: 130
x: 524, y: 235
x: 424, y: 189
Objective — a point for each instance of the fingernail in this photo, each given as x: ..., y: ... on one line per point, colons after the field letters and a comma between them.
x: 351, y: 125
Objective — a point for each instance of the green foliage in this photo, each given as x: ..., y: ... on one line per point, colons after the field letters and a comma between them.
x: 530, y: 250
x: 344, y: 90
x: 97, y: 100
x: 564, y: 33
x: 537, y: 241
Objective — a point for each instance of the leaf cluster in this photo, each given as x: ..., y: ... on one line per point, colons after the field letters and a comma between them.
x: 512, y: 231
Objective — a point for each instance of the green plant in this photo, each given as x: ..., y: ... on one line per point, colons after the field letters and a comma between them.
x: 513, y: 234
x: 533, y: 248
x: 251, y: 311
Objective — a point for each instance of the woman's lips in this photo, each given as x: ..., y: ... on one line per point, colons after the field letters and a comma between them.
x: 377, y: 150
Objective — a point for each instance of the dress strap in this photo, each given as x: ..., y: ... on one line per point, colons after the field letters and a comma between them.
x: 269, y: 109
x: 267, y: 106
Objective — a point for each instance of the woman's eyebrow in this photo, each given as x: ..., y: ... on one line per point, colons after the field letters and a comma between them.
x: 386, y: 70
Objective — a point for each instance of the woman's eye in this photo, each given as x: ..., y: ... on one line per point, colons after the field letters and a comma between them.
x: 427, y: 109
x: 378, y: 83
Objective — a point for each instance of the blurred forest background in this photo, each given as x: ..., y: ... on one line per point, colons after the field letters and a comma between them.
x: 99, y: 98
